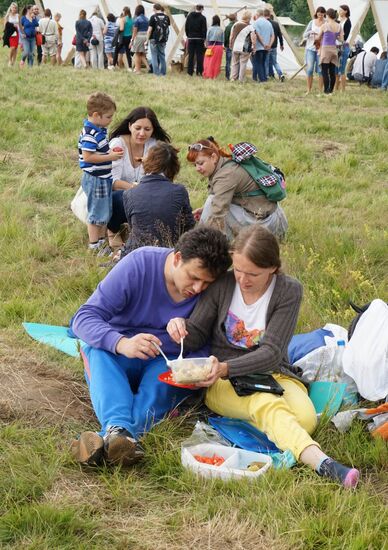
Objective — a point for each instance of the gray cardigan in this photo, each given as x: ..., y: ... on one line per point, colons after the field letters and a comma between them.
x: 207, y: 323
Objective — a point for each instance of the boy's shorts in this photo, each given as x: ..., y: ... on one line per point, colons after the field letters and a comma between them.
x: 99, y: 194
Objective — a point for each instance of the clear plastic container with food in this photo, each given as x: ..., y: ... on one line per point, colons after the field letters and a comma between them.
x: 190, y: 371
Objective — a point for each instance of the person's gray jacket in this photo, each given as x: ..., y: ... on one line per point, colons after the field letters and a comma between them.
x: 227, y: 182
x: 207, y: 322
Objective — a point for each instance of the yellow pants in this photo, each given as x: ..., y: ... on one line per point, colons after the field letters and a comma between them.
x: 287, y: 420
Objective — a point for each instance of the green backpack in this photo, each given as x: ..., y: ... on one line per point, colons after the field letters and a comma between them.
x: 269, y: 179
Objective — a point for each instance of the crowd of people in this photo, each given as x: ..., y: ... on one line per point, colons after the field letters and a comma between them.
x: 328, y: 53
x: 173, y: 285
x: 142, y: 41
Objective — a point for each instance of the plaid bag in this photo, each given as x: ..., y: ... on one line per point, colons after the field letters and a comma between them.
x: 269, y: 179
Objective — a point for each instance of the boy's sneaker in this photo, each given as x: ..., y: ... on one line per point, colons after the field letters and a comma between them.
x: 282, y: 78
x: 103, y: 248
x: 120, y: 447
x: 88, y: 449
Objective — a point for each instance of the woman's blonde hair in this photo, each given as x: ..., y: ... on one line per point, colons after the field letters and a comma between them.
x: 12, y: 5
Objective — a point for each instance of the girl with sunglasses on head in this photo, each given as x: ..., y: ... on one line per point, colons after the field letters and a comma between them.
x: 230, y: 204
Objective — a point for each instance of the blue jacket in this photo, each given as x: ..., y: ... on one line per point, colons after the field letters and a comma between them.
x: 158, y: 212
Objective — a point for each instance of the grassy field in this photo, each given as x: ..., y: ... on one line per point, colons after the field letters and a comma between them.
x: 333, y: 151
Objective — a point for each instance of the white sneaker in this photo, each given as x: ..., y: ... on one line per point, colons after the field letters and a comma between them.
x: 111, y: 67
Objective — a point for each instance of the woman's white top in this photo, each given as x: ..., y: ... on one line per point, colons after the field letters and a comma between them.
x: 245, y: 324
x: 312, y: 34
x: 14, y: 19
x: 122, y: 169
x: 98, y: 27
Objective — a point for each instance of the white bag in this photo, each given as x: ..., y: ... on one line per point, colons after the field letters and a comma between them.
x: 79, y: 205
x: 365, y: 357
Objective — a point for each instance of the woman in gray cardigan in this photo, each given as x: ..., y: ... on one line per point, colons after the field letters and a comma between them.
x: 250, y: 314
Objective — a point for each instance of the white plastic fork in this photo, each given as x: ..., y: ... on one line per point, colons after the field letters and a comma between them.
x: 168, y: 362
x: 180, y: 356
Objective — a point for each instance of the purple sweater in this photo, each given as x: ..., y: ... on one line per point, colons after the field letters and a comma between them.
x: 132, y: 298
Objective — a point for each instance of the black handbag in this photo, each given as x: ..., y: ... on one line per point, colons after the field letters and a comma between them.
x: 94, y: 42
x: 117, y: 40
x: 253, y: 383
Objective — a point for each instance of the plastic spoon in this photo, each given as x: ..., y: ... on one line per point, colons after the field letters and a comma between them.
x: 168, y: 362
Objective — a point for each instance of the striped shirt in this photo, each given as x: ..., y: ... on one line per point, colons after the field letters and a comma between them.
x: 94, y: 139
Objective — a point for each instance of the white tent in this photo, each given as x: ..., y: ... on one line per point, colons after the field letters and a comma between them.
x: 374, y: 41
x: 380, y: 11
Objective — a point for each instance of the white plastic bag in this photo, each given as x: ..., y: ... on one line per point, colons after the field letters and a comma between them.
x: 203, y: 433
x: 79, y: 205
x: 365, y: 357
x: 317, y: 365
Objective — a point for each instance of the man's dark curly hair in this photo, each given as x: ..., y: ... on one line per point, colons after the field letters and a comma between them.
x: 209, y: 245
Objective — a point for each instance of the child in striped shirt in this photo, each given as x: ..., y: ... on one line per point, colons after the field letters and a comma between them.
x: 95, y: 159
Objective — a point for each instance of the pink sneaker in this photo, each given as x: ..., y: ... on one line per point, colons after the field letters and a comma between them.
x: 21, y: 64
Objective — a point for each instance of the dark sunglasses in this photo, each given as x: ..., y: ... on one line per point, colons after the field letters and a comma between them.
x: 198, y: 147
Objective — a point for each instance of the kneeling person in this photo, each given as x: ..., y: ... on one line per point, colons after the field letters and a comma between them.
x: 122, y: 320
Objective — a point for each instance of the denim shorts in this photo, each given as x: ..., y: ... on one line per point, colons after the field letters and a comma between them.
x: 343, y: 60
x: 99, y: 194
x: 312, y: 62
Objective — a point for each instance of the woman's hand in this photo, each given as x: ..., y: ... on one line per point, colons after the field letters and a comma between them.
x: 139, y: 346
x: 197, y: 214
x: 176, y: 328
x: 219, y: 370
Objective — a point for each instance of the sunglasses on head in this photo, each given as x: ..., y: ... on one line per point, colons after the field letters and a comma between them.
x: 198, y: 147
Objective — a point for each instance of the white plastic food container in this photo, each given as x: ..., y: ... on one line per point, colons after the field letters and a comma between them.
x: 234, y: 467
x: 190, y: 371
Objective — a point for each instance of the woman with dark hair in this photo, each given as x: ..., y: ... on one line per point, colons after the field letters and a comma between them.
x: 134, y: 135
x: 83, y: 35
x: 158, y: 211
x: 214, y: 49
x: 234, y: 200
x: 346, y: 26
x: 329, y: 34
x: 139, y: 38
x: 125, y: 37
x: 48, y: 28
x: 250, y: 314
x: 312, y: 48
x: 28, y: 25
x: 109, y: 33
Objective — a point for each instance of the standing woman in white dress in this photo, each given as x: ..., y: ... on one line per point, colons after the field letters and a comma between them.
x: 97, y: 42
x: 12, y: 16
x: 135, y: 135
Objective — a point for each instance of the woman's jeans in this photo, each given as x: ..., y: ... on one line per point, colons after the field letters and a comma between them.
x: 28, y: 50
x: 312, y: 62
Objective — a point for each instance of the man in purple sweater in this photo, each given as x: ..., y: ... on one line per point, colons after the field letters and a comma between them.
x: 125, y: 315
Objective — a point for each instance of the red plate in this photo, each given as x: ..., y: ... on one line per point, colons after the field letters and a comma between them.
x: 166, y: 377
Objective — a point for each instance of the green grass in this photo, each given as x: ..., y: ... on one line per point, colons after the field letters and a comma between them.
x: 333, y: 151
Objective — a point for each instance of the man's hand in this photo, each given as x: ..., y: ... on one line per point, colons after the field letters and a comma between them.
x: 176, y: 328
x: 219, y: 370
x: 139, y: 346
